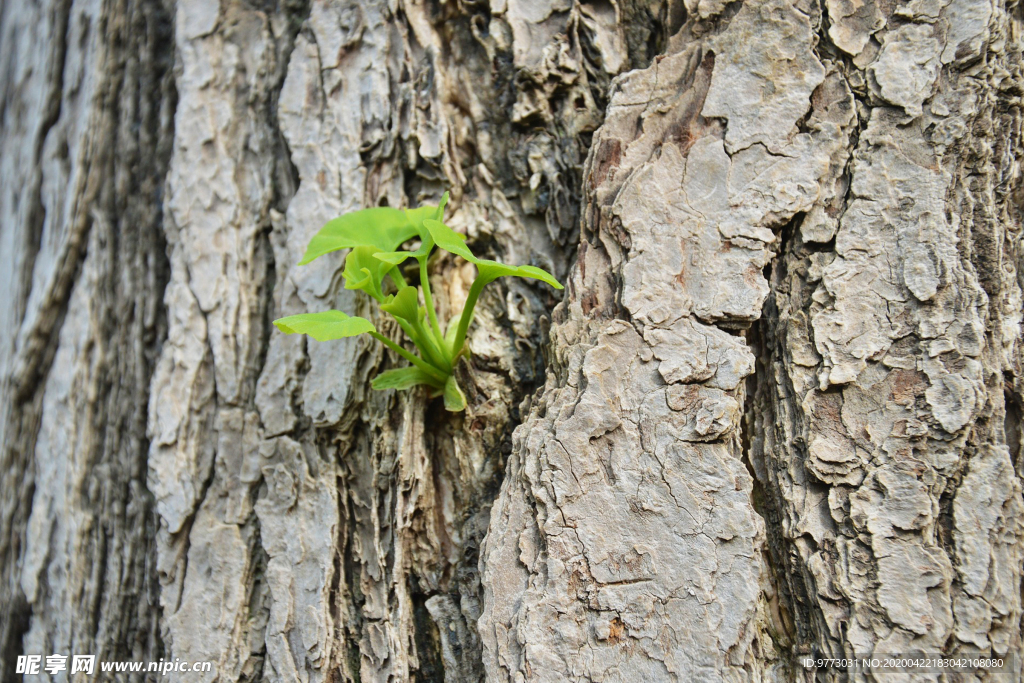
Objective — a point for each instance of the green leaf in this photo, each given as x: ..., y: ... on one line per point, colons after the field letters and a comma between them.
x: 405, y: 304
x: 418, y: 215
x: 381, y: 227
x: 454, y: 399
x: 364, y: 272
x: 394, y: 258
x: 427, y: 211
x: 448, y: 239
x: 324, y: 326
x: 419, y: 218
x: 492, y: 270
x: 403, y: 378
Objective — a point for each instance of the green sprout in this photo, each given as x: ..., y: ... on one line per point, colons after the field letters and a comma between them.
x: 374, y: 237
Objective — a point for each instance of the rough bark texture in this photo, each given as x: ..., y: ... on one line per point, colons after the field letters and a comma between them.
x: 86, y: 98
x: 863, y: 162
x: 182, y: 481
x: 886, y: 413
x: 781, y: 401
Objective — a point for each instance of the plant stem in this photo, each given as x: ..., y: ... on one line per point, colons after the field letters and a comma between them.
x: 431, y: 349
x: 397, y: 278
x: 422, y: 339
x: 427, y: 299
x: 407, y: 328
x: 418, y: 362
x: 467, y: 315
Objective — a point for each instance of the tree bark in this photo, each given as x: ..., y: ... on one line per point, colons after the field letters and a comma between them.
x: 777, y: 413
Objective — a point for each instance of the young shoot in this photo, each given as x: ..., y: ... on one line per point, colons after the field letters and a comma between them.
x: 375, y: 237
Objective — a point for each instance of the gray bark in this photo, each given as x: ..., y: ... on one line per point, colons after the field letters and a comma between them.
x: 777, y: 412
x: 867, y: 172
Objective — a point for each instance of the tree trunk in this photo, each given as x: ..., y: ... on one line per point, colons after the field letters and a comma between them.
x: 777, y: 413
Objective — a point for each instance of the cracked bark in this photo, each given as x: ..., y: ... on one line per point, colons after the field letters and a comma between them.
x: 860, y: 159
x: 779, y: 407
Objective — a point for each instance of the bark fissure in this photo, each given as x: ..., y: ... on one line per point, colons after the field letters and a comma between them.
x: 858, y: 455
x: 22, y: 399
x: 89, y: 328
